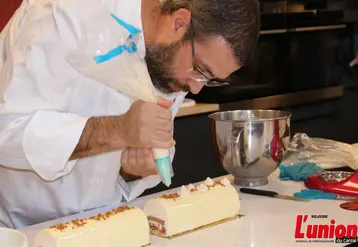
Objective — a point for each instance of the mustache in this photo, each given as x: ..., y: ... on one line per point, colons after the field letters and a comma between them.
x: 185, y: 87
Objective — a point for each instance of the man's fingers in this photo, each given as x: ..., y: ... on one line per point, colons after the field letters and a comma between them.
x: 141, y: 162
x: 163, y: 102
x: 147, y: 152
x: 163, y: 113
x: 132, y: 157
x: 150, y: 166
x: 149, y: 158
x: 163, y: 136
x: 124, y: 158
x: 140, y: 158
x: 164, y: 125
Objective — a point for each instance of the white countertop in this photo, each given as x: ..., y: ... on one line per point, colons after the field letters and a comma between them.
x: 268, y: 222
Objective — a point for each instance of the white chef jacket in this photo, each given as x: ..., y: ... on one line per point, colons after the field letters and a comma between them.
x: 44, y: 107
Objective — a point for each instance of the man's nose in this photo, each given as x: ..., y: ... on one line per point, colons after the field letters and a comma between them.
x: 195, y: 87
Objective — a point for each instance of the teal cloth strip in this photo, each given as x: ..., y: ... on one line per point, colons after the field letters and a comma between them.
x: 130, y: 47
x: 299, y: 172
x: 131, y: 29
x: 314, y: 194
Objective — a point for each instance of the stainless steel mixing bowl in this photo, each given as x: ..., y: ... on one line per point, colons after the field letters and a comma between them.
x: 250, y: 143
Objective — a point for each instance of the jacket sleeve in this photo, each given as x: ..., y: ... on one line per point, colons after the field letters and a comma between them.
x: 42, y: 142
x: 36, y: 131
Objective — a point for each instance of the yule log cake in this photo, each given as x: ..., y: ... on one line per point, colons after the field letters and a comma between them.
x: 124, y: 226
x: 192, y: 208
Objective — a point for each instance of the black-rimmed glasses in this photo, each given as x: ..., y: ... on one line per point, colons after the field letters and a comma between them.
x: 210, y: 82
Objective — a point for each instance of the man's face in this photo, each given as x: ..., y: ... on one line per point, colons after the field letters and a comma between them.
x: 171, y: 66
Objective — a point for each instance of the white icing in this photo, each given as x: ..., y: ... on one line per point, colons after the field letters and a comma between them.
x: 183, y: 191
x: 209, y: 182
x: 202, y: 188
x: 191, y: 187
x: 225, y: 182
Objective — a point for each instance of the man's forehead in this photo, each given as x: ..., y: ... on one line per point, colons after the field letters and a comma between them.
x: 217, y: 56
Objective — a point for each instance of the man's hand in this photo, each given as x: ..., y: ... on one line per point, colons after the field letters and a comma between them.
x: 138, y: 162
x: 149, y: 125
x: 145, y: 125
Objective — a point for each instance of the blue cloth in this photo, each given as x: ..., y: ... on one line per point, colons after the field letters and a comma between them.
x: 314, y: 194
x: 130, y: 46
x: 299, y: 172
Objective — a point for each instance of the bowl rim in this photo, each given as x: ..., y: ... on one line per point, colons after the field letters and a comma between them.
x: 14, y: 232
x: 286, y: 114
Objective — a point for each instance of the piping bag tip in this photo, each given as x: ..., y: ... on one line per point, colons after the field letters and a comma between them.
x: 164, y: 170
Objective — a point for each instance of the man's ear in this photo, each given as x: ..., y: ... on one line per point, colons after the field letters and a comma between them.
x: 179, y: 22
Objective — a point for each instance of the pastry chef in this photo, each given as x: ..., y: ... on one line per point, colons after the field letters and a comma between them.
x: 69, y: 143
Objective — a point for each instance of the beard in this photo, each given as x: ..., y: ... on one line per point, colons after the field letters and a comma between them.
x: 159, y: 59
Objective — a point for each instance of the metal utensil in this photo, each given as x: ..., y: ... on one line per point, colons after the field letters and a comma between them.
x: 250, y: 143
x: 269, y: 193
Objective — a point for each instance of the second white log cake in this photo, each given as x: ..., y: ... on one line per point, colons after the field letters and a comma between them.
x: 192, y: 208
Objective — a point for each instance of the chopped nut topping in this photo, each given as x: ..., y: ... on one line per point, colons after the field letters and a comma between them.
x: 170, y: 196
x: 59, y: 227
x: 81, y: 222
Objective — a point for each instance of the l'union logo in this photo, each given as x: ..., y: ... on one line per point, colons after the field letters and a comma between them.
x: 326, y: 231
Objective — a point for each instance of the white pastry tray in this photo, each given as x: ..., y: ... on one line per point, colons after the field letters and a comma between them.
x: 268, y: 222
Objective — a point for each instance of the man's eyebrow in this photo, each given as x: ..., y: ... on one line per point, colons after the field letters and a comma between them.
x: 207, y: 68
